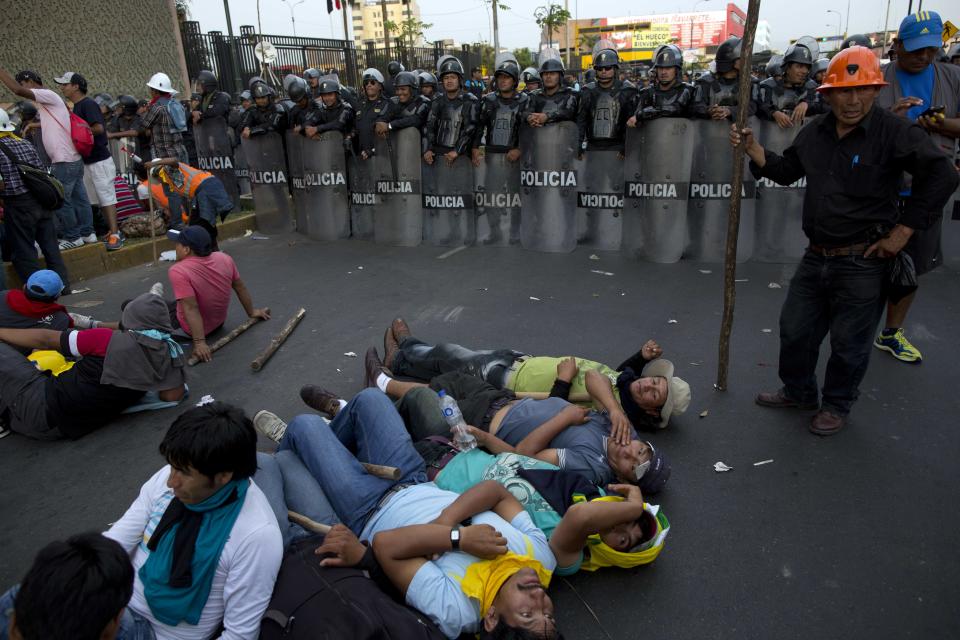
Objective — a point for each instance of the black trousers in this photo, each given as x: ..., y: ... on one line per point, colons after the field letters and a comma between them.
x: 26, y: 222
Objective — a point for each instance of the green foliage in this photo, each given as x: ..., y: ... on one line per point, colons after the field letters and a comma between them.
x: 551, y: 18
x: 524, y: 56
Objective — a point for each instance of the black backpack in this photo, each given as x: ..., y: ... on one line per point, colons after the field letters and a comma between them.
x: 311, y: 602
x: 46, y: 189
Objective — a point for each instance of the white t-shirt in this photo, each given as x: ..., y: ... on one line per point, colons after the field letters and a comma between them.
x: 55, y: 126
x: 435, y: 589
x: 243, y: 582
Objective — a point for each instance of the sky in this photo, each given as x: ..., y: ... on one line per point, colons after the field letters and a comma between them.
x: 468, y: 20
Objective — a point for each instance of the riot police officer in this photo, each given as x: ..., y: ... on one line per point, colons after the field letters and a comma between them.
x: 304, y: 107
x: 717, y: 93
x: 393, y: 68
x: 129, y: 124
x: 265, y: 116
x: 409, y: 109
x: 312, y: 76
x: 374, y: 109
x: 335, y: 114
x: 453, y: 115
x: 554, y: 102
x: 428, y: 84
x: 668, y: 97
x: 213, y: 102
x: 774, y: 68
x: 856, y: 40
x: 235, y: 119
x: 787, y: 100
x: 530, y: 79
x: 605, y: 105
x: 819, y: 70
x: 501, y: 114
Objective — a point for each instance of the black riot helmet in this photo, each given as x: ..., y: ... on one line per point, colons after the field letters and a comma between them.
x: 311, y: 73
x: 262, y: 90
x: 406, y: 79
x: 530, y: 74
x: 774, y: 66
x: 510, y: 67
x: 551, y: 64
x: 28, y: 110
x: 728, y: 53
x: 297, y: 89
x: 605, y: 59
x: 449, y: 64
x: 797, y: 53
x: 820, y: 65
x: 328, y: 84
x: 103, y: 99
x: 244, y: 95
x: 856, y: 40
x: 589, y: 76
x: 208, y: 81
x: 254, y: 80
x: 668, y: 55
x: 427, y: 79
x: 129, y: 104
x: 393, y: 68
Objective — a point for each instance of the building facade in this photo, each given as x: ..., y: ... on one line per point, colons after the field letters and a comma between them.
x: 369, y: 18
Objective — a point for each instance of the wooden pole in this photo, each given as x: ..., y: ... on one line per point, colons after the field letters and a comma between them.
x: 307, y: 523
x: 733, y: 220
x: 278, y: 340
x: 225, y: 340
x: 381, y: 471
x: 153, y: 232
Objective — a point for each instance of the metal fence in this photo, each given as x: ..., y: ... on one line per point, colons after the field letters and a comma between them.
x: 295, y: 54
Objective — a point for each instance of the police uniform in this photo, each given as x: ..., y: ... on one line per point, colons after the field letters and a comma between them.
x: 604, y: 113
x: 561, y: 106
x: 370, y: 113
x: 451, y: 123
x: 499, y: 121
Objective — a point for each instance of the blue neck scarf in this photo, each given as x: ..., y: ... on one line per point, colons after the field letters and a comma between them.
x: 185, y: 550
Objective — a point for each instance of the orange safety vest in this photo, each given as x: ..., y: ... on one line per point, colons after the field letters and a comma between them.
x: 191, y: 180
x: 156, y: 189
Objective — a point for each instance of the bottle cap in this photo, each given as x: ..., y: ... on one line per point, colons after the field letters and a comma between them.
x: 442, y: 392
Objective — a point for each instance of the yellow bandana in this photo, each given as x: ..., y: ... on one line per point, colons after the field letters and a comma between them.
x: 9, y: 134
x: 483, y: 579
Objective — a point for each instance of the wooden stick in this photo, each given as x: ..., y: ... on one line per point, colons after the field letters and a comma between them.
x: 307, y: 523
x: 222, y: 342
x: 153, y: 233
x: 733, y: 221
x: 382, y: 471
x: 278, y: 340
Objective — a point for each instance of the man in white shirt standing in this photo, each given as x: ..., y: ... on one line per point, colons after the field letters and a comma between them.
x: 202, y: 537
x: 75, y: 217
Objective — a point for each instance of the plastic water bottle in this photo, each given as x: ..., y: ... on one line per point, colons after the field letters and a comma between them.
x: 462, y: 438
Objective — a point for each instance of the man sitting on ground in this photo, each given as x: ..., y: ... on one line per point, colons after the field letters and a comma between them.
x: 202, y: 537
x: 648, y: 400
x: 202, y: 280
x: 114, y: 371
x: 35, y: 306
x: 458, y: 590
x: 76, y: 589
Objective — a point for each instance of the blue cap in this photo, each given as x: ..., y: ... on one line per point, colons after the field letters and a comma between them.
x: 44, y: 284
x: 195, y: 238
x: 921, y: 30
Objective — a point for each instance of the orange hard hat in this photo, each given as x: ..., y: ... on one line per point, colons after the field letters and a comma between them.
x: 853, y: 67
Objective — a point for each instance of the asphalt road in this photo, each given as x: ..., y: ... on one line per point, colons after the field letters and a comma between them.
x: 853, y: 536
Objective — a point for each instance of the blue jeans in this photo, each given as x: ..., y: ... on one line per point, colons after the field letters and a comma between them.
x: 368, y: 429
x: 133, y: 626
x: 75, y: 216
x: 288, y: 485
x: 842, y: 296
x: 417, y: 359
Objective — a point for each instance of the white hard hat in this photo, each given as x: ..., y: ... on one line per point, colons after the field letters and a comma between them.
x: 161, y: 82
x: 5, y: 121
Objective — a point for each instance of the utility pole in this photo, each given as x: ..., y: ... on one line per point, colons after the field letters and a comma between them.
x: 383, y: 23
x: 234, y: 61
x: 293, y: 22
x: 346, y: 31
x: 496, y: 30
x: 886, y: 24
x: 846, y: 28
x: 566, y: 30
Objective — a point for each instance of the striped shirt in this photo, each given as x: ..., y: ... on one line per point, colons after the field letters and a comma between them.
x: 127, y: 203
x: 24, y: 152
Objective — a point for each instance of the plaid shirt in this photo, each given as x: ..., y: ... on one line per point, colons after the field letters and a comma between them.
x: 24, y: 152
x: 165, y: 143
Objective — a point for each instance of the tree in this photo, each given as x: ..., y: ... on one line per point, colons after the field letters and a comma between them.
x: 551, y: 18
x: 407, y: 33
x: 183, y: 10
x: 587, y: 40
x: 524, y: 57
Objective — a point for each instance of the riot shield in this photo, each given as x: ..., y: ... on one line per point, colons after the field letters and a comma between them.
x: 779, y: 210
x: 400, y: 220
x: 122, y: 159
x: 657, y: 167
x: 294, y: 145
x: 448, y: 218
x: 241, y: 171
x: 710, y: 188
x: 268, y: 179
x: 364, y: 199
x: 498, y: 201
x: 950, y: 241
x: 600, y: 200
x: 548, y: 184
x: 215, y: 154
x: 325, y: 195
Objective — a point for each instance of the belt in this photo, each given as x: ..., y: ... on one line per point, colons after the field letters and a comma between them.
x: 384, y: 499
x: 495, y: 406
x: 849, y: 250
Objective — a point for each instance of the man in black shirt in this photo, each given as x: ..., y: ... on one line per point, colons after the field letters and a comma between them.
x: 853, y: 158
x: 375, y: 108
x: 409, y: 109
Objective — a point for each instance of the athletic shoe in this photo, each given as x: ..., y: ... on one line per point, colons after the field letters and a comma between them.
x: 114, y: 241
x: 70, y: 244
x: 270, y: 425
x: 90, y: 239
x: 896, y: 344
x: 157, y: 289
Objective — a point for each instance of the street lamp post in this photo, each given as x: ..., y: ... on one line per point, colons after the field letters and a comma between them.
x: 839, y: 19
x: 293, y: 22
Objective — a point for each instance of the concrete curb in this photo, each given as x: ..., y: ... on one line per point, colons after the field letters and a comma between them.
x: 92, y: 260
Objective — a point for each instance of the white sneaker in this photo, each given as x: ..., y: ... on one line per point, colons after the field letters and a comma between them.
x: 157, y: 289
x: 270, y: 425
x: 4, y: 431
x: 90, y: 239
x: 70, y: 244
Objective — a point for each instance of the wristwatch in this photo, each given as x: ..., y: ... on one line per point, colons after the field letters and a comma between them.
x: 455, y: 538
